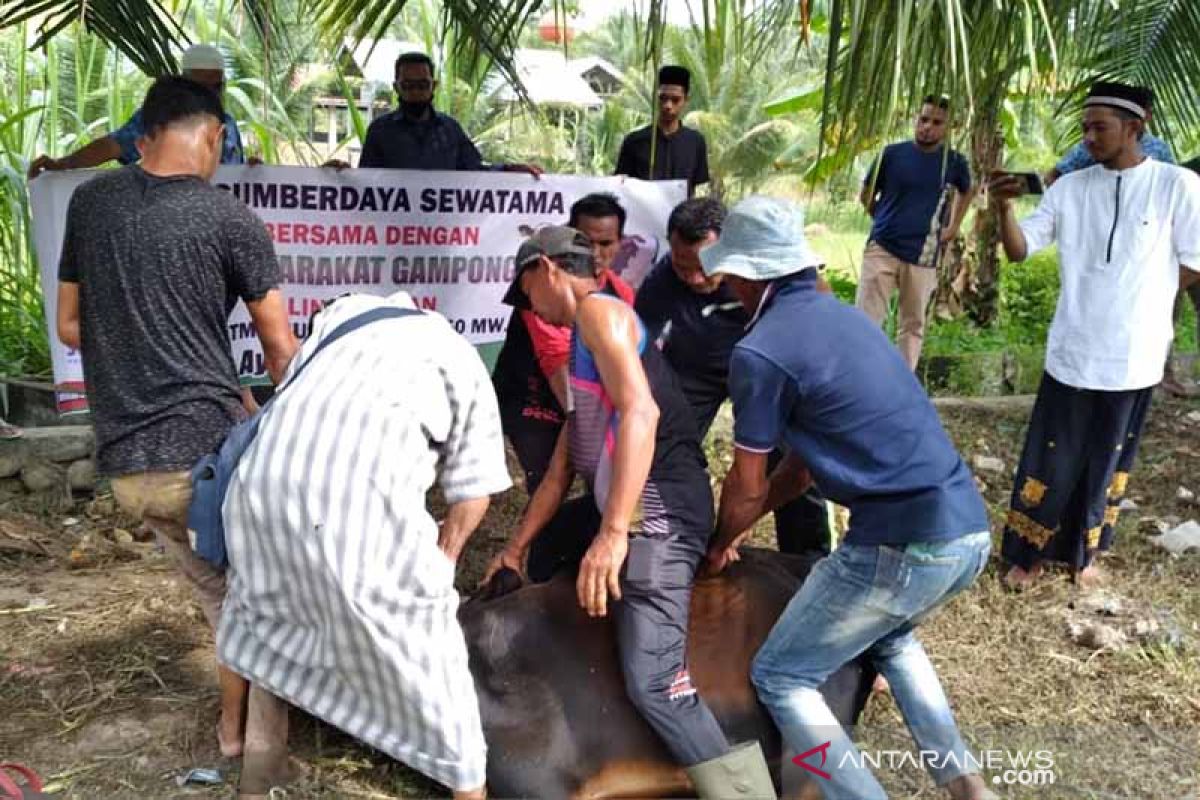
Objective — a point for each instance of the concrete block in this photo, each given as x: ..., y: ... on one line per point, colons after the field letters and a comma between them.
x: 42, y: 476
x: 61, y: 443
x: 81, y: 475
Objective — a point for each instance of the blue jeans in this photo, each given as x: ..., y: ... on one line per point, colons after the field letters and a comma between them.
x: 867, y: 599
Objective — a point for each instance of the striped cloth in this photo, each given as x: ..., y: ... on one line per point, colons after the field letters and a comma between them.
x: 339, y: 600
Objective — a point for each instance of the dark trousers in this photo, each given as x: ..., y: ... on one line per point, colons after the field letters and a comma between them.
x: 533, y: 441
x: 801, y: 526
x: 651, y: 621
x: 1074, y: 470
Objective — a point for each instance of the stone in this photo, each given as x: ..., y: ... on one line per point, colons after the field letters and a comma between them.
x: 988, y: 464
x: 61, y: 443
x: 1127, y: 505
x: 40, y: 476
x: 1179, y: 540
x: 13, y: 455
x: 10, y: 488
x: 1097, y: 636
x: 1185, y: 494
x: 81, y: 475
x: 1193, y: 417
x: 122, y: 536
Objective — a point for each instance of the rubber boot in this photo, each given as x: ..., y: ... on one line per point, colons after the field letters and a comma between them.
x: 740, y: 774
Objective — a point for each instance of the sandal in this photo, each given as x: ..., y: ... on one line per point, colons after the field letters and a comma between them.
x: 10, y: 790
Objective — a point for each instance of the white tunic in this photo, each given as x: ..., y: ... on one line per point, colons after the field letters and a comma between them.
x: 1122, y: 236
x: 339, y: 600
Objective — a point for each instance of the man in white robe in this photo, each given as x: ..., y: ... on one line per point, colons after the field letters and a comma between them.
x: 341, y: 594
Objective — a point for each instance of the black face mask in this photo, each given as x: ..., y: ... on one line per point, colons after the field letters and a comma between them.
x: 415, y: 110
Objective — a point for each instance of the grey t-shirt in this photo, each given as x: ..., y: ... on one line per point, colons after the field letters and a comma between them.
x: 160, y: 263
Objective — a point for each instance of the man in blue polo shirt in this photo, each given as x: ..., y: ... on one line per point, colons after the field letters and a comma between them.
x: 201, y: 63
x: 817, y: 376
x: 697, y: 321
x: 907, y: 193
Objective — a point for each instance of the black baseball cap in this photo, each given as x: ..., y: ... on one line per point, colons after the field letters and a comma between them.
x: 552, y: 241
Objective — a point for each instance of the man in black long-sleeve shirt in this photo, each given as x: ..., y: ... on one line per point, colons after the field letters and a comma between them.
x: 416, y: 135
x: 668, y: 150
x: 696, y: 321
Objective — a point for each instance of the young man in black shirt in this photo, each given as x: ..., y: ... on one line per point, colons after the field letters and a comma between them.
x: 673, y: 151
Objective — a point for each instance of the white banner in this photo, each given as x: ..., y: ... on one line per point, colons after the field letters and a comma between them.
x: 447, y: 238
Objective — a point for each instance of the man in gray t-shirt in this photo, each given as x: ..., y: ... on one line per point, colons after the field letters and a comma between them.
x: 154, y: 259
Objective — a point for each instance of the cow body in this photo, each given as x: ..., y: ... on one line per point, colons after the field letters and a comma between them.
x: 553, y: 703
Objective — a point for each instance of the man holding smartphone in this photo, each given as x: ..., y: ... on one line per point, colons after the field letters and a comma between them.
x: 1132, y: 230
x: 1077, y: 158
x: 905, y: 192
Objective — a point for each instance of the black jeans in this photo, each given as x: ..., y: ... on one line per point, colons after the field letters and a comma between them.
x: 651, y: 621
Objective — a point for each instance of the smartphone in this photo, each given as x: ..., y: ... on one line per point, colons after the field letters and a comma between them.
x: 1033, y: 181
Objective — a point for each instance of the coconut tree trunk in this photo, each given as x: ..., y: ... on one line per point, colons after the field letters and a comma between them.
x: 982, y: 288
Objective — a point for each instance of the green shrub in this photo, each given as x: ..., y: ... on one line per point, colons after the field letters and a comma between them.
x: 1028, y: 296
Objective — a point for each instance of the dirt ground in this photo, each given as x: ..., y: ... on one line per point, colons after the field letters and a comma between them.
x: 106, y: 684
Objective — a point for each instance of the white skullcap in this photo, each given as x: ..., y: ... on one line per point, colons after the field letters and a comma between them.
x: 202, y: 56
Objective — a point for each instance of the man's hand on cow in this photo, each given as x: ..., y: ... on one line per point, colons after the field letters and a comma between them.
x: 600, y: 572
x: 509, y: 558
x: 719, y: 558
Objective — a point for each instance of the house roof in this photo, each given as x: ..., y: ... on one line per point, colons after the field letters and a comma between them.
x: 586, y: 64
x: 376, y: 58
x: 549, y: 79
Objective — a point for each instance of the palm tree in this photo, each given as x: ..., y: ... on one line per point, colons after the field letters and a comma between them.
x: 885, y: 55
x: 881, y: 57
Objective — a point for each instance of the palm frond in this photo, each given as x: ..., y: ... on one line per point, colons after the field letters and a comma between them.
x: 1149, y: 43
x: 142, y: 29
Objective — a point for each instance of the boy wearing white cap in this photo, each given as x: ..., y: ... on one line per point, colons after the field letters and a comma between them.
x: 818, y: 377
x: 201, y: 63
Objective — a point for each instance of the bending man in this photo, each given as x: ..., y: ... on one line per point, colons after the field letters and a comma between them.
x: 817, y: 376
x: 632, y: 436
x: 341, y: 585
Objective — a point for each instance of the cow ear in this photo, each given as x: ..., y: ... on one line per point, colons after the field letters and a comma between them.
x: 505, y: 581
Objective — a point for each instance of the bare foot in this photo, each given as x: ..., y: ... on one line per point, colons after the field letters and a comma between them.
x: 262, y: 773
x: 970, y: 787
x: 1091, y: 576
x: 880, y: 686
x: 229, y: 741
x: 1018, y: 579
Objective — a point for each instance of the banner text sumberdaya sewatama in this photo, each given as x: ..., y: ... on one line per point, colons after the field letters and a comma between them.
x: 446, y: 238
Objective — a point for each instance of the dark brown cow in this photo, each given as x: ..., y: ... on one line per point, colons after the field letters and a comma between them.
x: 555, y: 714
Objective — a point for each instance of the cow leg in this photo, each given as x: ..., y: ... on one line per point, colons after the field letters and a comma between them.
x: 635, y: 779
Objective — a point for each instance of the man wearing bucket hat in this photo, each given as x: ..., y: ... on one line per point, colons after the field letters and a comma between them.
x: 201, y: 63
x: 632, y: 437
x: 819, y: 377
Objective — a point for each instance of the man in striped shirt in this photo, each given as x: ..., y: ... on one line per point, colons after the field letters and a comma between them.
x: 341, y: 594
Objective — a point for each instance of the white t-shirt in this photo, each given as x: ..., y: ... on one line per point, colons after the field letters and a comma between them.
x: 1122, y: 236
